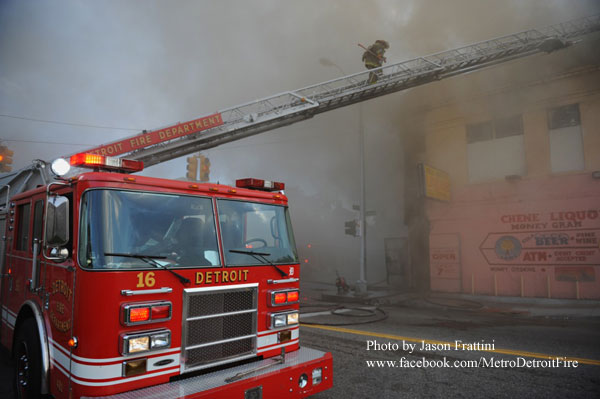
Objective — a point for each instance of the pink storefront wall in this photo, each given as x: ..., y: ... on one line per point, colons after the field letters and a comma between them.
x: 529, y: 237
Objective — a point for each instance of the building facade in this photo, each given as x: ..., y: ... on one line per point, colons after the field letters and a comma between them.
x: 518, y: 147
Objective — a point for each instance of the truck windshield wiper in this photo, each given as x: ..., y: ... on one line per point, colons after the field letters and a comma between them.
x: 150, y: 259
x: 260, y: 256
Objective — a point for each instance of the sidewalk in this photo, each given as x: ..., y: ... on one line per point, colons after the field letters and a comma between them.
x: 313, y: 292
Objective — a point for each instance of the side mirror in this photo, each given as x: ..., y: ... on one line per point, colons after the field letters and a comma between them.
x: 59, y: 254
x: 57, y: 221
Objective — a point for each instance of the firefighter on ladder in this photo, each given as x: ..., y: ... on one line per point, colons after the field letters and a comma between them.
x: 373, y: 58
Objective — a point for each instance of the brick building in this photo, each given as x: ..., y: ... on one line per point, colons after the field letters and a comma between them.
x: 518, y: 146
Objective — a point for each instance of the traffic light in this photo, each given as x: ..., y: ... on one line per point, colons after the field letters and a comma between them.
x: 192, y: 168
x: 5, y: 159
x: 204, y: 168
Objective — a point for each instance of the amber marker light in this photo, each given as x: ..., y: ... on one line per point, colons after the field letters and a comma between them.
x: 134, y: 367
x: 292, y: 296
x: 279, y: 298
x: 73, y: 342
x: 139, y: 314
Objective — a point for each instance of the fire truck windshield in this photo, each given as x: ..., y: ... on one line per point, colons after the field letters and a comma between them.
x: 259, y: 227
x: 178, y: 228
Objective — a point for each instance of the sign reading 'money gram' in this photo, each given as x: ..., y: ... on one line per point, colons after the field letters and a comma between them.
x: 158, y: 136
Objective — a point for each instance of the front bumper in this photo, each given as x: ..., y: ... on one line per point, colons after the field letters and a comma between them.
x: 278, y: 381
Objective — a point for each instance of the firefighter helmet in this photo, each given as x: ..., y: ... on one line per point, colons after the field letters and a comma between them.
x: 383, y: 43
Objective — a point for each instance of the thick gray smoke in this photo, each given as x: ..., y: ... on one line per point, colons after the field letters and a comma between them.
x: 146, y: 64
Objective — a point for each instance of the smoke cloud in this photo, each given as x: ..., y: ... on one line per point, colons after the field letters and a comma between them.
x: 146, y: 64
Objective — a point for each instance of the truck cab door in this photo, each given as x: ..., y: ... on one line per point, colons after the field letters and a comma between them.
x: 59, y: 269
x: 17, y: 266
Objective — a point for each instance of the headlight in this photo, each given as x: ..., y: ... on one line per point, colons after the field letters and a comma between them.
x: 162, y: 340
x: 292, y: 318
x: 145, y: 341
x: 284, y: 319
x: 279, y: 321
x: 138, y: 344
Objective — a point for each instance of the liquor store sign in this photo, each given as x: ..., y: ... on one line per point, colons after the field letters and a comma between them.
x: 561, y: 238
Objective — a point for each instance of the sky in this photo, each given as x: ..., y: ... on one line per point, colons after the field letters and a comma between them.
x: 75, y: 74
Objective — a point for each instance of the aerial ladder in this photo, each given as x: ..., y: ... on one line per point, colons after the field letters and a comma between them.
x: 293, y: 106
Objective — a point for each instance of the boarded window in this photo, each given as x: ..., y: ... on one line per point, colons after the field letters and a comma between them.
x: 506, y: 127
x: 23, y: 214
x: 566, y: 142
x: 565, y: 116
x: 479, y: 132
x: 495, y: 149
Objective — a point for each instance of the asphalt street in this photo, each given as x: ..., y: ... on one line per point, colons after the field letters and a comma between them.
x: 518, y: 365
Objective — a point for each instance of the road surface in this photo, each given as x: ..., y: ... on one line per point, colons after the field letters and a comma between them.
x: 439, y: 352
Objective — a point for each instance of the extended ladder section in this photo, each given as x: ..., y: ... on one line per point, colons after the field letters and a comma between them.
x: 290, y: 107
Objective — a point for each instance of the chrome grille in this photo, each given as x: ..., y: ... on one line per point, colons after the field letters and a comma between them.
x: 220, y: 325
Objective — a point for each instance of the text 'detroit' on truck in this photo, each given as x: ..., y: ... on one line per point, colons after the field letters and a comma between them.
x: 118, y: 285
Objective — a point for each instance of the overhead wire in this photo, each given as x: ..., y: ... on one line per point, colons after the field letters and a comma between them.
x: 68, y: 123
x: 47, y: 142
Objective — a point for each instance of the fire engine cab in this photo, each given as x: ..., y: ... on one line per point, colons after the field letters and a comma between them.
x: 118, y: 285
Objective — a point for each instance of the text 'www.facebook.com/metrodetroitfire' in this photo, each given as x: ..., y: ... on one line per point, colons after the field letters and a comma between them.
x: 417, y: 356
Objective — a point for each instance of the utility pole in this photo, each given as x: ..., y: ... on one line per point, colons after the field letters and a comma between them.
x: 361, y: 284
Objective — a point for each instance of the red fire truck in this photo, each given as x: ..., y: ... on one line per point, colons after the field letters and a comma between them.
x: 125, y: 286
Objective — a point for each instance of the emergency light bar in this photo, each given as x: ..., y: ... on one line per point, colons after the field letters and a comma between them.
x: 258, y: 184
x: 104, y: 162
